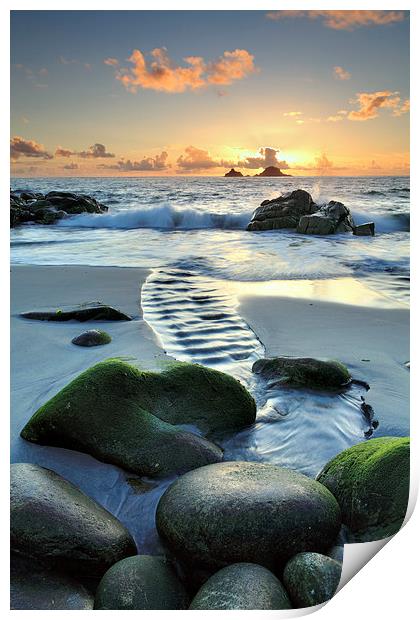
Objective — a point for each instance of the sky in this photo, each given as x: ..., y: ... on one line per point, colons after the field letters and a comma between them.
x: 134, y: 93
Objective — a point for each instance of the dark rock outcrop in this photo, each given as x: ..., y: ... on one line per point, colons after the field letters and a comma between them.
x: 331, y: 218
x: 311, y: 579
x: 245, y: 512
x: 242, y: 586
x: 282, y: 212
x: 141, y: 582
x: 92, y: 338
x: 53, y: 522
x: 34, y: 587
x: 233, y: 173
x: 128, y: 417
x: 87, y: 312
x: 303, y: 372
x: 371, y: 484
x: 364, y: 230
x: 272, y: 171
x: 26, y: 206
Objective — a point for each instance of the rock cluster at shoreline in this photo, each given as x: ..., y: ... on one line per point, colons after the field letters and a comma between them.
x: 26, y: 206
x: 297, y: 210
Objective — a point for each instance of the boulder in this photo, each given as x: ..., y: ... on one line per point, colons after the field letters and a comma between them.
x: 33, y: 587
x: 272, y: 171
x: 328, y: 219
x: 364, y: 230
x: 282, y: 212
x: 371, y: 484
x: 233, y: 173
x: 87, y: 312
x: 303, y: 372
x: 48, y: 216
x: 125, y: 416
x: 141, y: 582
x: 58, y: 525
x: 242, y: 586
x: 92, y: 338
x: 245, y: 512
x: 311, y: 579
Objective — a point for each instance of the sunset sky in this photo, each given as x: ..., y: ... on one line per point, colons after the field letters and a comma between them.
x: 113, y: 93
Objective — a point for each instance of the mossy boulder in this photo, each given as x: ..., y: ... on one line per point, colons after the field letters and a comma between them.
x: 371, y: 483
x: 245, y: 512
x: 87, y: 312
x: 242, y: 586
x: 303, y: 372
x: 311, y: 579
x: 92, y: 338
x: 34, y: 587
x: 125, y: 416
x: 53, y: 522
x: 141, y: 582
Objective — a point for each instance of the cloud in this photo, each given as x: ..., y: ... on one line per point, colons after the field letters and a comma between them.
x: 158, y: 162
x: 72, y: 166
x: 196, y: 160
x: 96, y: 151
x: 292, y: 113
x: 321, y: 165
x: 162, y: 74
x: 341, y: 74
x: 403, y: 109
x: 370, y: 104
x: 19, y: 147
x: 61, y: 152
x: 344, y: 20
x: 267, y: 157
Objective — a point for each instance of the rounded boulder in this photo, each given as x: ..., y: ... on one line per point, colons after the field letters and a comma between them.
x: 311, y: 579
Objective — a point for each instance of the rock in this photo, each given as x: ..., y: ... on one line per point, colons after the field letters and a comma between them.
x: 93, y: 312
x: 28, y: 206
x: 121, y: 415
x: 141, y: 582
x: 92, y: 338
x: 272, y: 171
x: 364, y: 230
x: 282, y: 212
x: 331, y: 218
x: 55, y: 523
x: 245, y: 512
x: 311, y: 579
x: 242, y: 586
x: 233, y: 173
x: 303, y: 372
x: 33, y: 587
x: 371, y: 483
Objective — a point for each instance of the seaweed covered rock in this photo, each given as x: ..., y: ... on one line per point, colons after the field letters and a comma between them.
x: 86, y: 312
x: 92, y: 338
x: 242, y: 586
x: 311, y: 579
x: 141, y: 582
x: 54, y: 522
x: 303, y: 372
x: 245, y: 512
x: 34, y: 587
x: 331, y: 218
x: 125, y: 416
x: 282, y: 212
x: 371, y: 484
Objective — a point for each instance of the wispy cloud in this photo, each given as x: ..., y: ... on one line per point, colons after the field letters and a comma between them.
x: 341, y: 74
x: 371, y: 103
x: 72, y: 166
x: 162, y: 74
x: 344, y: 20
x: 147, y: 164
x: 61, y: 152
x: 20, y: 147
x: 292, y: 113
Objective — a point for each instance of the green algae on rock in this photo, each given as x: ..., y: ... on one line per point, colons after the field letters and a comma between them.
x: 53, y: 522
x: 242, y: 586
x: 113, y: 412
x: 245, y: 512
x: 303, y: 372
x: 141, y: 582
x: 86, y: 312
x: 311, y: 579
x: 371, y: 484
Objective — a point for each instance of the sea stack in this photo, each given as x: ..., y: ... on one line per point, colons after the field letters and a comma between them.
x: 233, y: 173
x: 272, y: 171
